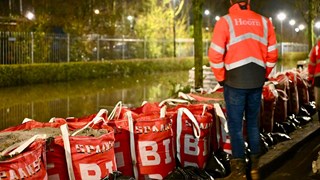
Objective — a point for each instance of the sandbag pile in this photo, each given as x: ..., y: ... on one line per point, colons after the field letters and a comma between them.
x: 185, y: 138
x: 153, y: 141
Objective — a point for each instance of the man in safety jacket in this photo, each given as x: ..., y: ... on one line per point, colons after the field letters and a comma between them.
x: 314, y: 72
x: 242, y: 54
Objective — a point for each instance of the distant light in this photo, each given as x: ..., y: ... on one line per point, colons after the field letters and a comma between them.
x: 281, y: 16
x: 207, y: 29
x: 317, y: 25
x: 96, y: 11
x: 270, y: 18
x: 297, y: 29
x: 301, y: 27
x: 30, y: 15
x: 292, y: 22
x: 130, y: 18
x: 217, y: 18
x: 206, y: 12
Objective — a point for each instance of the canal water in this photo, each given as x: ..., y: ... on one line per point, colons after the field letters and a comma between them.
x: 81, y: 98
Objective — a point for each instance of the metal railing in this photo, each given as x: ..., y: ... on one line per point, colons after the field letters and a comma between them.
x: 293, y: 47
x: 31, y: 47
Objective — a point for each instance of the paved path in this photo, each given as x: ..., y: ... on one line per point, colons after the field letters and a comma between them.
x: 291, y: 160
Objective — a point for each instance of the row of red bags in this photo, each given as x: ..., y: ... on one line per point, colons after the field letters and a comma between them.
x: 144, y: 142
x: 141, y: 142
x: 284, y: 95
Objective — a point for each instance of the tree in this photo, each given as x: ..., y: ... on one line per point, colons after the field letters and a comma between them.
x: 156, y: 25
x: 309, y: 9
x: 198, y: 45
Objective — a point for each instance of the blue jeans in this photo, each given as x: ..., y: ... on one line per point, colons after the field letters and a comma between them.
x: 241, y: 102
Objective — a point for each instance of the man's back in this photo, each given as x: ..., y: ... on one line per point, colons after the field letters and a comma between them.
x: 245, y: 37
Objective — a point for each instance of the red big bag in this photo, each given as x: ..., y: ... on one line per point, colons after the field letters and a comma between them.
x: 88, y: 157
x: 151, y: 145
x: 30, y: 124
x: 193, y: 125
x: 56, y: 169
x: 282, y: 84
x: 119, y: 122
x: 281, y: 109
x: 29, y: 164
x: 74, y: 123
x: 302, y: 86
x: 270, y: 96
x: 222, y: 132
x: 219, y: 138
x: 293, y: 103
x: 56, y: 158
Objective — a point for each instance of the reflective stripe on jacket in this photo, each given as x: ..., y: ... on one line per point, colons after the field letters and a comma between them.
x: 240, y: 38
x: 314, y: 63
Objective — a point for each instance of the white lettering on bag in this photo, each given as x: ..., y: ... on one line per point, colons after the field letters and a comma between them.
x: 88, y: 149
x: 139, y: 129
x: 22, y: 172
x: 119, y: 155
x: 109, y: 166
x: 191, y: 145
x: 149, y: 155
x: 186, y: 163
x: 246, y: 22
x: 119, y: 159
x: 153, y: 176
x: 166, y: 144
x: 93, y: 171
x: 90, y: 171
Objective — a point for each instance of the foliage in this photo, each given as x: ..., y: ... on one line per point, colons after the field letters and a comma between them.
x: 149, y: 26
x: 176, y: 88
x: 13, y: 75
x: 309, y: 10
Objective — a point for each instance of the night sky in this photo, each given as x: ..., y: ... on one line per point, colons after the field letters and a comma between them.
x: 268, y: 8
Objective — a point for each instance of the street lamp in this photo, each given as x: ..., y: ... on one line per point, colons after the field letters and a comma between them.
x: 301, y: 27
x: 97, y: 11
x: 317, y: 25
x: 207, y: 13
x: 29, y: 15
x: 217, y: 18
x: 130, y: 19
x: 281, y: 16
x: 292, y: 22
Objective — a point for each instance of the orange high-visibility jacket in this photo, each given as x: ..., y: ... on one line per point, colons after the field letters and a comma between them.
x: 243, y: 48
x: 314, y: 63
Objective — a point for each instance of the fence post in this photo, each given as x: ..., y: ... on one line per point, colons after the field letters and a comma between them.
x: 68, y: 47
x: 32, y: 48
x: 122, y: 47
x: 145, y: 47
x: 207, y: 47
x: 98, y: 47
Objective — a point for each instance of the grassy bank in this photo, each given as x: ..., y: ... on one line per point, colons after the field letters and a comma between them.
x: 290, y: 59
x: 17, y: 75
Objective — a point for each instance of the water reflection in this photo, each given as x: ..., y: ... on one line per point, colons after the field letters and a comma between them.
x: 81, y: 98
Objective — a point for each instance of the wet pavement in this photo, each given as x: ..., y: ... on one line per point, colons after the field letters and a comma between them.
x: 292, y: 159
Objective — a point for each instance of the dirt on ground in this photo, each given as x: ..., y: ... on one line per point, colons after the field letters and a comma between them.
x: 9, y: 138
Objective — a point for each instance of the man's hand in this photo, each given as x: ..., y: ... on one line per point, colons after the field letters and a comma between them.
x: 221, y: 83
x: 310, y: 82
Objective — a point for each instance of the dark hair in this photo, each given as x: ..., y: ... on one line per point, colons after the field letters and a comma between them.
x: 238, y: 1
